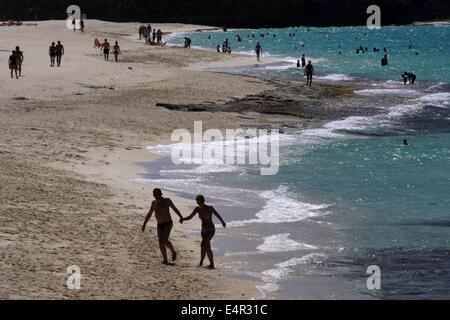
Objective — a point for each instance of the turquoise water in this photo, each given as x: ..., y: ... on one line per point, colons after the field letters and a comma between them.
x: 429, y: 57
x: 348, y: 194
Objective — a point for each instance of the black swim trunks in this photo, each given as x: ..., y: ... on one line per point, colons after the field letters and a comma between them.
x: 163, y: 226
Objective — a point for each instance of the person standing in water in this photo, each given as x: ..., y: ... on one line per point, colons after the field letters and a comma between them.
x: 52, y: 54
x: 59, y: 53
x: 303, y: 61
x: 13, y: 65
x: 258, y: 51
x: 19, y: 59
x: 161, y: 207
x: 205, y: 213
x: 309, y: 72
x: 116, y: 51
x: 384, y: 61
x: 106, y: 47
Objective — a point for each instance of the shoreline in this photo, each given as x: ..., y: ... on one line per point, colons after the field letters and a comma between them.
x: 74, y: 138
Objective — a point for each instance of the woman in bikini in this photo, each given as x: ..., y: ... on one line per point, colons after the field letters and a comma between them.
x: 205, y: 213
x: 52, y: 53
x: 116, y: 51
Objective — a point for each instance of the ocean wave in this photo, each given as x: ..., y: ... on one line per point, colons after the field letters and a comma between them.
x: 280, y: 208
x: 283, y: 269
x: 282, y: 243
x: 435, y: 97
x: 336, y: 77
x: 398, y: 92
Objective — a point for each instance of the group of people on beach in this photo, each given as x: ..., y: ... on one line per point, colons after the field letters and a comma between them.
x: 151, y: 36
x: 161, y: 208
x: 225, y: 48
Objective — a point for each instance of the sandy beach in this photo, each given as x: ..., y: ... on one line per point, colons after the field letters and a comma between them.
x: 72, y: 138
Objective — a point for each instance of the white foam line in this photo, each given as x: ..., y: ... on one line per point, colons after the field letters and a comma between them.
x: 282, y: 243
x: 280, y: 208
x: 273, y: 276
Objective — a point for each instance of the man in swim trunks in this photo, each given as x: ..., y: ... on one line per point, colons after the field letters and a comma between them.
x: 13, y: 65
x: 161, y: 206
x: 106, y: 47
x: 59, y: 53
x: 205, y: 213
x: 258, y: 51
x: 19, y: 59
x: 303, y: 61
x: 309, y: 72
x: 52, y: 53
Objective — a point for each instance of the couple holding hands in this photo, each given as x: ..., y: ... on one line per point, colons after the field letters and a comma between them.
x: 161, y: 206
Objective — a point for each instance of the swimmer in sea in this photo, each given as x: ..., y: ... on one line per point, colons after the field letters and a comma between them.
x: 205, y: 213
x: 161, y: 207
x: 384, y: 61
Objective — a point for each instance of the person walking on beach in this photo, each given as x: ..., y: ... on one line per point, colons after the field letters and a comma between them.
x: 161, y: 207
x: 12, y: 62
x: 82, y: 25
x: 154, y: 36
x: 106, y: 47
x: 258, y: 51
x: 59, y: 53
x: 19, y: 59
x: 52, y: 54
x: 116, y: 51
x: 205, y: 213
x: 309, y: 72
